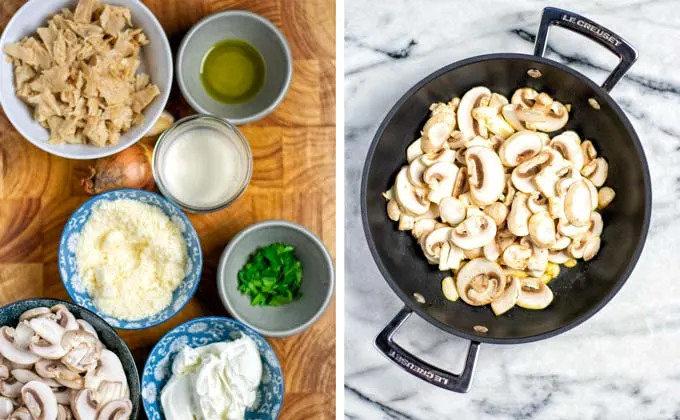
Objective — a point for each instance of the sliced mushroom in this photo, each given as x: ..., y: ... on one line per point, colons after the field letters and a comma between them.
x: 516, y: 256
x: 474, y: 232
x: 110, y: 391
x: 545, y: 114
x: 115, y: 410
x: 592, y: 247
x: 558, y: 257
x: 451, y: 210
x: 507, y: 299
x: 415, y: 172
x: 414, y: 151
x: 6, y: 407
x: 63, y: 396
x: 34, y: 313
x: 534, y: 294
x: 491, y: 118
x: 542, y: 230
x: 108, y: 369
x: 409, y: 197
x: 578, y: 246
x: 492, y: 251
x: 497, y: 211
x: 568, y: 144
x: 21, y: 413
x: 65, y: 318
x: 561, y: 242
x: 10, y: 388
x: 445, y: 155
x: 25, y: 376
x: 589, y: 152
x: 406, y: 222
x: 480, y: 281
x: 64, y: 412
x: 39, y: 400
x: 578, y: 204
x: 537, y: 203
x: 440, y: 177
x: 423, y: 227
x: 12, y: 353
x: 519, y: 148
x: 569, y: 230
x: 54, y: 369
x: 593, y: 193
x: 596, y: 171
x: 473, y: 253
x: 523, y: 175
x: 518, y: 219
x: 538, y: 262
x: 604, y: 197
x: 83, y: 405
x: 438, y: 128
x: 393, y: 210
x: 87, y: 327
x: 485, y: 175
x: 455, y: 257
x: 473, y: 98
x: 432, y: 246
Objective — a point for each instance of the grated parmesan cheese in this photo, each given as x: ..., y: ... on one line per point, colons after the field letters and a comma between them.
x: 131, y: 257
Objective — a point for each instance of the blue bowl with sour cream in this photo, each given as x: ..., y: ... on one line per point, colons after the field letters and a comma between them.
x: 201, y: 332
x: 69, y: 270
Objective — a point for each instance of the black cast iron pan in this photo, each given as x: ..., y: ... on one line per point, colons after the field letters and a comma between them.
x: 579, y: 292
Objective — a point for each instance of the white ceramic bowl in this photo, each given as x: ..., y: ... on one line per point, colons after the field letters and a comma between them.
x: 156, y: 61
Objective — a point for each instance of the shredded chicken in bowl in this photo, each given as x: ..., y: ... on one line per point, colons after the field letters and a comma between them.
x: 80, y: 74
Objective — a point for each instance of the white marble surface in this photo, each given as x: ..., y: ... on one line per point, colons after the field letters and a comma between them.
x: 621, y: 364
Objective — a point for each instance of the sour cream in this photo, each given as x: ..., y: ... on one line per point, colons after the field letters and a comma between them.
x: 214, y: 382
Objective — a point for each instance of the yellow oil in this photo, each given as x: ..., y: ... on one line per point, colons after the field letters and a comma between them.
x: 233, y: 71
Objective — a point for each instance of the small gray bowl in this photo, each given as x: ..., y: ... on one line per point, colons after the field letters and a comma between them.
x: 258, y: 32
x: 9, y: 315
x: 317, y: 279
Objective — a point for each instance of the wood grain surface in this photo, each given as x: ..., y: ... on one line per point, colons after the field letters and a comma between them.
x: 293, y: 179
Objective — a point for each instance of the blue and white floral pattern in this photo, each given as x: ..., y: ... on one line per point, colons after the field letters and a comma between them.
x: 199, y: 332
x: 69, y: 270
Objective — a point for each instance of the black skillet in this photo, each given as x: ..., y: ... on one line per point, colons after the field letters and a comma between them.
x: 580, y: 291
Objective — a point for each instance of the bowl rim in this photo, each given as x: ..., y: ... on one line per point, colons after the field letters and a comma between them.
x: 212, y: 318
x: 288, y: 225
x: 187, y: 222
x: 179, y: 59
x: 98, y: 152
x: 128, y: 352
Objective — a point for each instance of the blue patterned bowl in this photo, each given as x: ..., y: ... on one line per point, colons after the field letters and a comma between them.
x: 69, y: 270
x: 200, y: 332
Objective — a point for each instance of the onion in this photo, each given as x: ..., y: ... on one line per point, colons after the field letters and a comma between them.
x: 130, y: 168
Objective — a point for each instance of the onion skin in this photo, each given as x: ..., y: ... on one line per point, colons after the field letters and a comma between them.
x: 131, y: 168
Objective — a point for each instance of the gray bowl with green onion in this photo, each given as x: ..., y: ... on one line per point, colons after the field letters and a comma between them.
x: 276, y: 277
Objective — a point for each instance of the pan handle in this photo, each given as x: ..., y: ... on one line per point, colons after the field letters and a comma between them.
x: 421, y: 369
x: 620, y: 47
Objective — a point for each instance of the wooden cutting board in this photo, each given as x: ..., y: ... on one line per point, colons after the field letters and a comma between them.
x: 293, y: 179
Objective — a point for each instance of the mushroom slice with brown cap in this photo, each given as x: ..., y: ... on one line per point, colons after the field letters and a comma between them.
x: 21, y: 413
x: 596, y: 171
x: 486, y: 175
x: 83, y: 405
x: 545, y: 115
x: 534, y: 294
x: 578, y: 246
x: 438, y: 128
x: 542, y: 230
x: 537, y: 203
x: 12, y: 353
x: 39, y: 400
x: 414, y: 151
x: 520, y: 147
x: 34, y: 313
x: 480, y: 281
x: 451, y: 210
x: 473, y: 98
x: 518, y: 219
x: 409, y: 197
x: 524, y: 96
x: 65, y: 318
x: 578, y: 204
x: 568, y: 144
x: 51, y: 333
x: 440, y: 177
x: 109, y: 369
x: 474, y: 232
x: 508, y: 297
x: 516, y: 256
x: 53, y: 369
x: 460, y: 185
x: 115, y: 410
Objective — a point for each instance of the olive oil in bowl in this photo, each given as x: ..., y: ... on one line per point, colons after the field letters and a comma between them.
x: 233, y: 71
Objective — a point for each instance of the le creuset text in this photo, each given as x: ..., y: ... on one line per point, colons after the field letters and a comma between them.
x: 592, y: 28
x: 417, y: 369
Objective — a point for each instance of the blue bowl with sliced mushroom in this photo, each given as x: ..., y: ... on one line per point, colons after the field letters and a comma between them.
x: 56, y: 356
